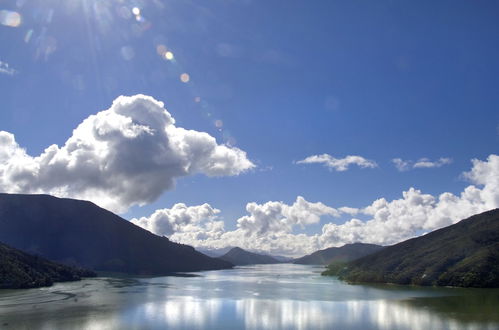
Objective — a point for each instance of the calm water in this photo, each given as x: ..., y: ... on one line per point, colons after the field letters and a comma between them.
x: 253, y: 297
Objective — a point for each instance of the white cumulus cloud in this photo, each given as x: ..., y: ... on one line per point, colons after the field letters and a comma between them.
x: 278, y: 217
x: 416, y: 212
x: 126, y: 155
x: 268, y: 227
x: 271, y: 226
x: 184, y: 223
x: 338, y: 164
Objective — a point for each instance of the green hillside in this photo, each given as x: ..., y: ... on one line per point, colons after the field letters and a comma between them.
x: 343, y: 253
x: 22, y: 270
x: 465, y: 254
x: 240, y: 257
x: 76, y: 232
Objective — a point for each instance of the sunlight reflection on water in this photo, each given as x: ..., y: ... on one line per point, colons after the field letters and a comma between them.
x: 254, y: 297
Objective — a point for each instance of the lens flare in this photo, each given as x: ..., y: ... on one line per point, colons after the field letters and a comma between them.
x: 10, y: 18
x: 184, y: 77
x: 28, y: 35
x: 169, y: 55
x: 127, y: 53
x: 161, y: 49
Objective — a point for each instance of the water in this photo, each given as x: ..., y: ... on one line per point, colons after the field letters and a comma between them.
x: 254, y: 297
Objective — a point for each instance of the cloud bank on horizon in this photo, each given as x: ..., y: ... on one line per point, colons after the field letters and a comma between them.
x: 270, y: 226
x: 126, y: 155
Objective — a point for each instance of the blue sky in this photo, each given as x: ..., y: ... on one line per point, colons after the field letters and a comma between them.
x: 280, y: 80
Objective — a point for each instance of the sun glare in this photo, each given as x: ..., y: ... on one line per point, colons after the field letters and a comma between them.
x: 169, y: 55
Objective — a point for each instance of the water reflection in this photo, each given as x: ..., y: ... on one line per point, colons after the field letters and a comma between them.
x: 292, y: 314
x: 259, y: 297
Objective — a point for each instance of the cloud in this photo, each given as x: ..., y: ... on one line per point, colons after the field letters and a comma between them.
x: 6, y: 69
x: 338, y: 164
x: 349, y: 210
x: 416, y: 212
x: 405, y: 165
x: 486, y: 174
x: 278, y: 217
x: 271, y: 226
x: 426, y: 163
x: 268, y: 227
x: 401, y: 165
x: 183, y: 222
x: 124, y: 156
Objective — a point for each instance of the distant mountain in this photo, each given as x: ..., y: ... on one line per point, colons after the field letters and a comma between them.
x: 283, y: 259
x: 344, y: 253
x: 214, y: 253
x: 217, y: 253
x: 80, y: 233
x: 241, y: 257
x: 21, y: 270
x: 465, y: 254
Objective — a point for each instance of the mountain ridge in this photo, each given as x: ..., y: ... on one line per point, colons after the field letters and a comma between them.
x: 465, y: 254
x: 241, y: 257
x: 343, y: 253
x: 80, y: 233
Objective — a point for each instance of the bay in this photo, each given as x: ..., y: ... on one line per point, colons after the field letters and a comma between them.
x: 283, y: 296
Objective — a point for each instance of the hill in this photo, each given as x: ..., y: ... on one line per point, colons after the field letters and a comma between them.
x: 283, y: 259
x: 21, y: 270
x: 344, y: 253
x: 80, y: 233
x: 217, y: 253
x: 465, y: 254
x: 241, y: 257
x: 214, y: 253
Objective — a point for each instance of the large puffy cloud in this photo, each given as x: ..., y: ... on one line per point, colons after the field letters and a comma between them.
x: 270, y: 226
x: 126, y: 155
x: 184, y: 223
x: 278, y: 217
x: 486, y: 174
x: 338, y: 164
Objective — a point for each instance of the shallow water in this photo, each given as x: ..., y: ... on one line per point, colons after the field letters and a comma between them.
x: 254, y: 297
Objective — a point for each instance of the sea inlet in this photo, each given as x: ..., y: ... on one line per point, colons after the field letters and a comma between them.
x: 283, y: 296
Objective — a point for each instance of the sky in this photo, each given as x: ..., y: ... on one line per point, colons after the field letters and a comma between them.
x: 277, y: 126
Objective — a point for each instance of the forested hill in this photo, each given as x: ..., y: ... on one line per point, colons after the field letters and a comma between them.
x: 241, y: 257
x: 22, y: 270
x: 343, y: 253
x: 80, y: 233
x: 465, y: 254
